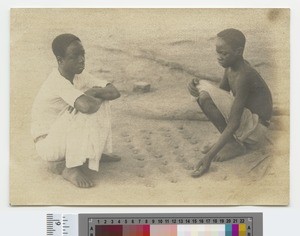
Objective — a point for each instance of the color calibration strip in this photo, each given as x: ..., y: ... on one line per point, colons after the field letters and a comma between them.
x: 210, y: 224
x: 170, y: 230
x: 169, y: 224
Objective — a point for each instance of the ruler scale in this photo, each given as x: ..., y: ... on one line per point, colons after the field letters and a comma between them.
x: 183, y: 224
x: 62, y: 225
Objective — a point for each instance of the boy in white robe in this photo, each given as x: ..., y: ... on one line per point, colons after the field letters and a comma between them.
x: 71, y: 120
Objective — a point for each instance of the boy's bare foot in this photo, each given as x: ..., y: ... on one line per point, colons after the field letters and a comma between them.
x: 56, y: 167
x: 77, y: 177
x: 229, y: 151
x: 110, y: 158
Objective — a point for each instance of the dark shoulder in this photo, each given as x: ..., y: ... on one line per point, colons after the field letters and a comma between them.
x: 255, y: 84
x: 245, y: 78
x: 250, y: 75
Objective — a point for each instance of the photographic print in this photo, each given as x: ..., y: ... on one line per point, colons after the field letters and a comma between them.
x: 149, y: 107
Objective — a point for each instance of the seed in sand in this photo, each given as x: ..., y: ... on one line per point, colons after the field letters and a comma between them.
x: 141, y: 175
x: 158, y: 155
x: 173, y: 180
x: 135, y: 151
x: 164, y: 169
x: 188, y: 166
x: 180, y: 159
x: 165, y: 162
x: 149, y: 185
x: 176, y: 152
x: 141, y: 165
x: 194, y: 141
x: 140, y: 158
x: 180, y: 127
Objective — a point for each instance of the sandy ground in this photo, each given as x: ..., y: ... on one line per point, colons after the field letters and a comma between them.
x: 158, y: 134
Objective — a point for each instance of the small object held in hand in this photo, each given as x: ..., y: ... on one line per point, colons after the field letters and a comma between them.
x: 196, y: 81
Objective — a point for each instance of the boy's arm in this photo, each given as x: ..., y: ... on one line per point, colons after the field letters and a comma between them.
x: 86, y: 104
x: 232, y: 125
x: 109, y: 92
x: 91, y: 100
x: 224, y: 82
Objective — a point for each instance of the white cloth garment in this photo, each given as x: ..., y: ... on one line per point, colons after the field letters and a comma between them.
x: 70, y: 136
x: 250, y: 130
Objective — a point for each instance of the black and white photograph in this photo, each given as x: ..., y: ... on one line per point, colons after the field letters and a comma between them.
x: 149, y: 106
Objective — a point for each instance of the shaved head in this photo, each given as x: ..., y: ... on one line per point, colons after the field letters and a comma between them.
x: 233, y: 37
x: 61, y: 42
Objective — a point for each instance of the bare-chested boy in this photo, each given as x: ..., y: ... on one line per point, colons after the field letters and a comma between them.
x: 71, y: 120
x: 242, y: 119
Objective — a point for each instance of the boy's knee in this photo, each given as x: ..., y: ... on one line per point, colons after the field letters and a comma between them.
x: 203, y: 97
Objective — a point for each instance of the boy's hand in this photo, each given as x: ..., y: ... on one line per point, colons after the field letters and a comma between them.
x: 71, y: 109
x: 202, y: 167
x: 191, y: 86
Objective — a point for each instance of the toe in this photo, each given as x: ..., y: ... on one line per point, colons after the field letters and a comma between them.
x: 83, y: 184
x: 86, y: 184
x: 90, y: 184
x: 80, y: 184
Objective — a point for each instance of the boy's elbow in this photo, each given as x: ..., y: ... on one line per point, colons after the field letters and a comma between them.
x: 113, y: 92
x: 88, y: 107
x: 91, y: 108
x: 117, y: 94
